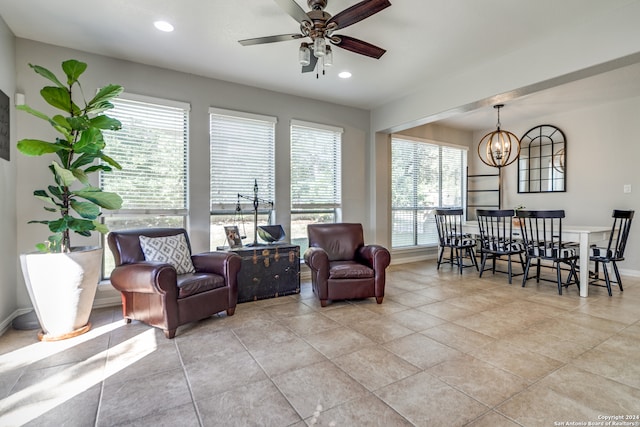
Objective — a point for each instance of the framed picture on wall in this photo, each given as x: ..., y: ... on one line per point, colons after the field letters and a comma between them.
x: 233, y: 236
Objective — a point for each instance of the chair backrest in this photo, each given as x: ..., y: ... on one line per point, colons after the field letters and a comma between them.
x: 125, y: 244
x: 619, y: 232
x: 542, y: 229
x: 449, y: 224
x: 496, y: 226
x: 339, y: 240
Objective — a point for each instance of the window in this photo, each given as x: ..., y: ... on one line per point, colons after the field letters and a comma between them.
x: 152, y: 149
x: 424, y: 175
x: 315, y: 177
x: 242, y: 150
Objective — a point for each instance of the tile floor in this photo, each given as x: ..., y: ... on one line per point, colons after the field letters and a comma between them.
x: 442, y: 350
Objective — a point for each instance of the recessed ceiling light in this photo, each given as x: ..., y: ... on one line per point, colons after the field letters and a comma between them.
x: 344, y: 75
x: 163, y: 26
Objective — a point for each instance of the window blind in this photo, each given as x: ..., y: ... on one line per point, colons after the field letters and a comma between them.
x: 242, y: 150
x: 152, y: 148
x: 315, y: 166
x: 424, y: 176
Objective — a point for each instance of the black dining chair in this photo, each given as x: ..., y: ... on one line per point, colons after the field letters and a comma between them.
x: 613, y: 252
x: 542, y: 234
x: 450, y: 235
x: 497, y: 239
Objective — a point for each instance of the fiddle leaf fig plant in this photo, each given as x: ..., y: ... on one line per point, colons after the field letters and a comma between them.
x: 77, y: 151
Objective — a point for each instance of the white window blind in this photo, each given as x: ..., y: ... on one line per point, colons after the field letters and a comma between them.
x: 242, y: 148
x: 424, y: 175
x: 315, y: 166
x: 152, y: 149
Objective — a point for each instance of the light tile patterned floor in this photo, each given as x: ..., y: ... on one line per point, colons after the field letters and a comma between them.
x: 443, y: 349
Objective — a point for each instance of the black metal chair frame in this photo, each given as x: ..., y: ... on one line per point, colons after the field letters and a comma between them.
x: 542, y: 234
x: 450, y: 235
x: 496, y: 239
x: 614, y: 251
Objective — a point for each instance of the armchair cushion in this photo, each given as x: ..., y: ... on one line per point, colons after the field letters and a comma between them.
x: 349, y: 270
x: 191, y: 284
x: 172, y: 250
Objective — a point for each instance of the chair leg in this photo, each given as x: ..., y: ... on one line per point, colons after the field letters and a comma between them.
x: 605, y: 270
x: 526, y: 272
x: 559, y: 277
x: 231, y: 311
x: 483, y: 262
x: 169, y: 333
x: 538, y: 272
x: 472, y: 254
x: 509, y: 272
x: 379, y: 300
x: 323, y: 303
x: 440, y: 257
x: 127, y: 320
x: 615, y: 270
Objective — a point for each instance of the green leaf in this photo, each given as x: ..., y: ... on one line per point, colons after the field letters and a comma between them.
x: 73, y: 69
x: 101, y: 198
x: 86, y: 209
x: 99, y: 107
x: 94, y: 168
x: 33, y: 112
x: 79, y: 123
x: 58, y: 226
x: 100, y: 227
x: 80, y: 225
x: 56, y: 191
x: 106, y: 93
x: 91, y: 141
x: 81, y: 176
x: 83, y: 159
x: 36, y: 147
x: 42, y: 195
x: 48, y: 209
x: 46, y: 74
x: 57, y: 97
x: 106, y: 122
x: 42, y: 247
x: 61, y: 121
x: 110, y: 161
x: 65, y: 175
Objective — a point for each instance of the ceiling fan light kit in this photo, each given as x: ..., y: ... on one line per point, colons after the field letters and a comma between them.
x: 319, y: 26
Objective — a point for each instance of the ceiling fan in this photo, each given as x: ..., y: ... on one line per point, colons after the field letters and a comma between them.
x: 319, y: 26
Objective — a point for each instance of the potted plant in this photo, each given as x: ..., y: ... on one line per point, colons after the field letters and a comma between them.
x: 62, y: 280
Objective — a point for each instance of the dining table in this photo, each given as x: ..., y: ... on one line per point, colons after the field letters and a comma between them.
x: 584, y: 235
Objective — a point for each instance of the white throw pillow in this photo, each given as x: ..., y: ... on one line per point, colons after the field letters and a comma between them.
x: 169, y: 249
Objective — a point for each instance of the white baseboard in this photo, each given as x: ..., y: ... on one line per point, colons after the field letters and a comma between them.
x: 6, y: 323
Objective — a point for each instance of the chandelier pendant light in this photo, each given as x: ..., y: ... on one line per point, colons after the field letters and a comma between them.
x: 499, y: 148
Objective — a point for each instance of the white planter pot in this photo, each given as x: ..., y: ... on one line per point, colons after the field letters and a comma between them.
x: 62, y: 287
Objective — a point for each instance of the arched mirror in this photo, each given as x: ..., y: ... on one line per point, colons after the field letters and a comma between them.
x: 542, y: 161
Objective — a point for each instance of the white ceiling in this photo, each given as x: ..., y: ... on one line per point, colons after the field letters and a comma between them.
x: 424, y: 39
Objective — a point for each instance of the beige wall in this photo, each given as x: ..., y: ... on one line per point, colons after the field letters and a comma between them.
x: 8, y: 256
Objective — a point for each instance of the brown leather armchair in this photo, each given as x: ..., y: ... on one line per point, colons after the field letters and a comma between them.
x: 342, y: 267
x: 154, y: 293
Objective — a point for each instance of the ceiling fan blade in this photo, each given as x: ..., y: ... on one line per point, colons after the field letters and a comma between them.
x: 270, y: 39
x: 293, y: 9
x: 358, y: 12
x: 312, y: 64
x: 359, y: 46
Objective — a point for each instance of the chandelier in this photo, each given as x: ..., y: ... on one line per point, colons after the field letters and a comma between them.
x: 499, y: 148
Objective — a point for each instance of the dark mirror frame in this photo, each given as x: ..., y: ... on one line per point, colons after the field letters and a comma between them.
x: 542, y: 164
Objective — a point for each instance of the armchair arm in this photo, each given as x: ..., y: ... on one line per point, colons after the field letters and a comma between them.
x: 145, y: 277
x: 375, y: 256
x: 318, y: 260
x: 212, y: 262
